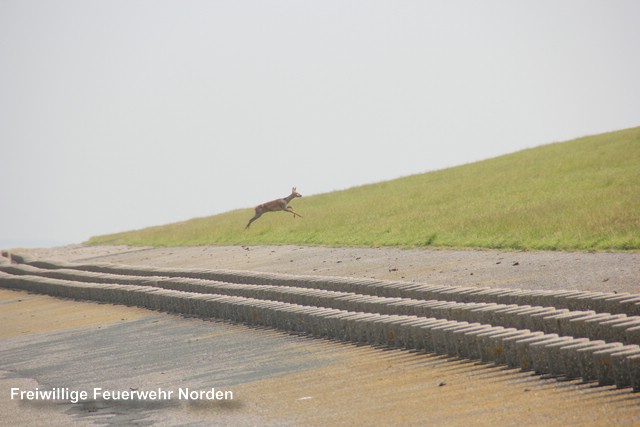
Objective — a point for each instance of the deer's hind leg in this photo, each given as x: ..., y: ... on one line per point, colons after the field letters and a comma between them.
x: 256, y: 216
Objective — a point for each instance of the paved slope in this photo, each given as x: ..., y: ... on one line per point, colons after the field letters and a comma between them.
x: 591, y: 335
x: 335, y: 382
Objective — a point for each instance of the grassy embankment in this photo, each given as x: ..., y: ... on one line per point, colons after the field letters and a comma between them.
x: 582, y: 194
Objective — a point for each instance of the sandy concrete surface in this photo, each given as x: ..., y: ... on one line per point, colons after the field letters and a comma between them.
x: 282, y: 379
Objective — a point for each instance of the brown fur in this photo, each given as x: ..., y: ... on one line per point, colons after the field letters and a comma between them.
x: 275, y: 206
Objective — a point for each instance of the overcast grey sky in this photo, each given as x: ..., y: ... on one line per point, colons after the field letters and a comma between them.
x: 122, y: 114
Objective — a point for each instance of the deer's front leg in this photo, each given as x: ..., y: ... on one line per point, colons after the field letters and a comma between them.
x: 294, y: 214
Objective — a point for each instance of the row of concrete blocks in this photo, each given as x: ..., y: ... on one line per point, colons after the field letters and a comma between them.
x: 607, y: 363
x: 607, y: 302
x: 578, y: 324
x: 602, y: 302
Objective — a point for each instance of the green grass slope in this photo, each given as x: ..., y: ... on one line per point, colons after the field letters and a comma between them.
x: 578, y: 195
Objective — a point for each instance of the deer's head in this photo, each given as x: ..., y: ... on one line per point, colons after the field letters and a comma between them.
x: 294, y: 193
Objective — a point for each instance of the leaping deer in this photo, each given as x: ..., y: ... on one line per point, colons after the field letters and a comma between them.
x: 276, y: 205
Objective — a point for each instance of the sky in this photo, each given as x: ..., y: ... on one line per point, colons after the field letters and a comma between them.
x: 122, y: 114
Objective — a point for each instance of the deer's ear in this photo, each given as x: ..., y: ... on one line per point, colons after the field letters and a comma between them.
x: 293, y: 190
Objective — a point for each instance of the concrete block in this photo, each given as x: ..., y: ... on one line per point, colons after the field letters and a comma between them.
x: 488, y: 343
x: 347, y: 330
x: 410, y: 333
x: 527, y: 353
x: 402, y: 330
x: 610, y: 365
x: 632, y: 335
x: 426, y: 333
x: 632, y: 364
x: 585, y: 360
x: 474, y: 339
x: 360, y: 328
x: 375, y: 329
x: 510, y: 348
x: 440, y: 335
x: 462, y: 343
